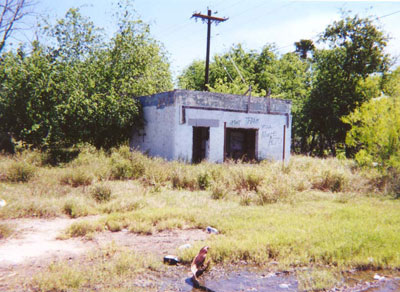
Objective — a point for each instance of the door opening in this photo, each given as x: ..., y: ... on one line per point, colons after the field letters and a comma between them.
x: 201, y: 144
x: 241, y: 144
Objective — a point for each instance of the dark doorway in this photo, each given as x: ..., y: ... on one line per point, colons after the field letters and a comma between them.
x: 240, y: 144
x: 201, y: 144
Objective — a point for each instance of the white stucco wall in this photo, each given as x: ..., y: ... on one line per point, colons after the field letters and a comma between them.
x: 270, y: 133
x: 156, y: 137
x: 168, y: 129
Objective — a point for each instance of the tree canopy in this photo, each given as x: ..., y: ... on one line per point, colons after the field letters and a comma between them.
x: 79, y: 88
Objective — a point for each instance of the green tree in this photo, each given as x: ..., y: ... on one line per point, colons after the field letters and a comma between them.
x: 79, y: 88
x: 356, y: 52
x: 303, y: 47
x: 375, y: 132
x: 391, y: 83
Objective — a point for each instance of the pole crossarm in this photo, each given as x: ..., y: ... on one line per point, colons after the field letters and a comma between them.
x: 212, y: 18
x: 209, y: 19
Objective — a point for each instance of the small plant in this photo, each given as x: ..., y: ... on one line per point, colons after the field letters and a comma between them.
x: 330, y: 181
x: 140, y: 227
x: 75, y: 208
x: 218, y: 192
x: 127, y: 166
x: 204, y: 180
x: 253, y: 181
x: 76, y: 177
x: 20, y: 171
x: 181, y: 179
x: 83, y: 228
x: 5, y: 231
x: 101, y: 193
x: 317, y: 280
x: 246, y: 199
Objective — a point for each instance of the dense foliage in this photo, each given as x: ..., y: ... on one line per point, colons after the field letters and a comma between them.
x: 72, y: 86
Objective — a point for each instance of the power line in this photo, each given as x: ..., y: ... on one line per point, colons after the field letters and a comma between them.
x: 209, y: 19
x: 390, y: 14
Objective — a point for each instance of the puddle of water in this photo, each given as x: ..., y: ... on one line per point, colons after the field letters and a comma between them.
x: 255, y: 280
x: 232, y: 281
x: 369, y: 281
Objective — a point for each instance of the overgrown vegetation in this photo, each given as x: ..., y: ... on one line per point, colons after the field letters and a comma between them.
x: 311, y: 212
x: 106, y: 269
x: 73, y: 84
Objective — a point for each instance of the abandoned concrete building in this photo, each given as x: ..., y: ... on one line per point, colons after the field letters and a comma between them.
x: 193, y: 126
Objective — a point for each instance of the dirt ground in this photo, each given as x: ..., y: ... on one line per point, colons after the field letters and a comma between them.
x: 34, y: 245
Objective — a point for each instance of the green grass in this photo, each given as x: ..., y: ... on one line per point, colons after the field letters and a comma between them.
x: 311, y: 213
x: 108, y: 270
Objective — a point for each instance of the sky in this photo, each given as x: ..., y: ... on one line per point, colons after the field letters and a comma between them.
x: 253, y: 23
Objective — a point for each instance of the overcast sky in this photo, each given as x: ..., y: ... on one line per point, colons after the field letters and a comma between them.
x: 254, y: 23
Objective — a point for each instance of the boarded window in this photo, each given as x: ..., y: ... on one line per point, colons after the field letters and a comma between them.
x: 241, y: 144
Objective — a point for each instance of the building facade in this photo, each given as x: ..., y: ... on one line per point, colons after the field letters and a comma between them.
x: 193, y: 126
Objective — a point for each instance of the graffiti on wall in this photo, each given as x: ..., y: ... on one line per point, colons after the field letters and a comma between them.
x: 270, y: 137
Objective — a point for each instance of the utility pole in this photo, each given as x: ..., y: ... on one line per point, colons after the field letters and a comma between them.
x: 209, y: 19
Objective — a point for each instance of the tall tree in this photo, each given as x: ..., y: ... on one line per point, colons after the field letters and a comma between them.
x: 356, y: 51
x: 303, y: 47
x: 11, y: 14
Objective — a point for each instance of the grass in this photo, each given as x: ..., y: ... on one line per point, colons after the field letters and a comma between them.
x: 312, y: 213
x: 107, y: 270
x: 5, y: 230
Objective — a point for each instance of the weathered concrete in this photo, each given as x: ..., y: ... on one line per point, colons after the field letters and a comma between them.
x: 171, y: 116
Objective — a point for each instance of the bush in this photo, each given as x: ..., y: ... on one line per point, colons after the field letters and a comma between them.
x: 204, y: 180
x: 273, y: 193
x: 218, y: 192
x: 132, y: 167
x: 20, y: 171
x: 330, y: 180
x: 75, y: 208
x: 5, y: 231
x: 101, y: 193
x: 248, y: 181
x: 182, y: 179
x: 76, y: 177
x: 83, y: 228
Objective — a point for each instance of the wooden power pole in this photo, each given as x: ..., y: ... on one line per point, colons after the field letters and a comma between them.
x: 209, y: 19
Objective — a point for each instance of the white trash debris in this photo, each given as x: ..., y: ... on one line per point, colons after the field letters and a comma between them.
x: 185, y: 246
x: 210, y: 229
x: 171, y: 260
x: 2, y: 203
x: 379, y: 278
x: 284, y: 286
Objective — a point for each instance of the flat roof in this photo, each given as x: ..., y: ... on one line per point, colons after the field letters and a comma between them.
x: 214, y: 100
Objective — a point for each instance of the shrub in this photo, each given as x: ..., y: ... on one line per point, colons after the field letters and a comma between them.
x: 76, y: 177
x: 83, y: 228
x: 5, y: 231
x: 204, y: 180
x: 253, y: 181
x: 101, y: 193
x: 247, y: 181
x: 330, y: 180
x: 182, y: 179
x: 20, y: 171
x: 273, y: 193
x: 139, y: 227
x: 218, y: 192
x: 75, y: 208
x: 127, y: 168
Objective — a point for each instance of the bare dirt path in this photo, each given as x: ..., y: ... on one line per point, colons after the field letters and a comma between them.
x: 34, y: 245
